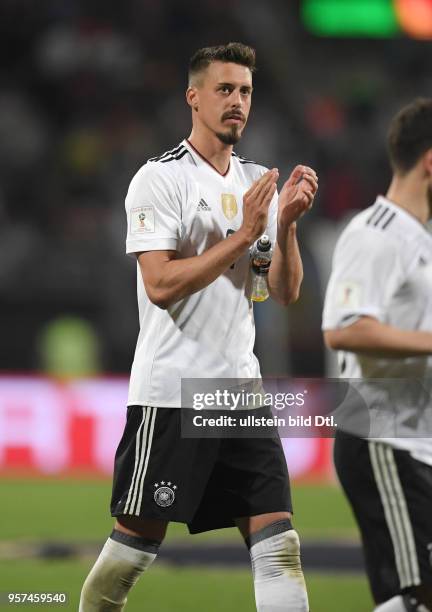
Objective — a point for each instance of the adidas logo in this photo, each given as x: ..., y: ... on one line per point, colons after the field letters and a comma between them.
x: 202, y: 205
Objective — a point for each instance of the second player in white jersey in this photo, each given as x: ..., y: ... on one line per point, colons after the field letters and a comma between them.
x: 382, y: 268
x: 378, y: 316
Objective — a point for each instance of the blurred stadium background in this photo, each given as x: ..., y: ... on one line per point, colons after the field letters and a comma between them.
x: 89, y: 90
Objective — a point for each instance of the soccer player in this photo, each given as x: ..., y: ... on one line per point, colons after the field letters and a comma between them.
x: 193, y: 213
x: 378, y: 315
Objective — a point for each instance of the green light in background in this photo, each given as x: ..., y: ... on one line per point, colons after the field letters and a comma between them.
x: 369, y: 18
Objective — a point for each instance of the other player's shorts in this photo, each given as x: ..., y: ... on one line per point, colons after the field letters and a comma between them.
x: 204, y: 482
x: 391, y: 497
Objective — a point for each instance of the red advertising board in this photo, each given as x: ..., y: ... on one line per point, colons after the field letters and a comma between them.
x: 50, y: 427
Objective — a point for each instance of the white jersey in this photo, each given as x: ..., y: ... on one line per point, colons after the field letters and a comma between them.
x: 181, y: 202
x: 382, y: 268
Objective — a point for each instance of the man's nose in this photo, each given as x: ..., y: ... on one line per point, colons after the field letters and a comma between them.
x: 236, y: 99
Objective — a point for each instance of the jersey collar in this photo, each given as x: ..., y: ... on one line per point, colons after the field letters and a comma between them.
x: 201, y: 160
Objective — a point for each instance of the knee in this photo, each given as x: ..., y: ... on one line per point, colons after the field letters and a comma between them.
x: 285, y: 556
x: 143, y: 528
x: 276, y: 554
x: 292, y: 543
x: 120, y: 564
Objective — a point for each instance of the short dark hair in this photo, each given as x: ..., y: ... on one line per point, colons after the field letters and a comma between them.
x: 234, y: 52
x: 410, y: 135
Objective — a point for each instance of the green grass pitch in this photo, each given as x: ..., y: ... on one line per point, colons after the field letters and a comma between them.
x: 77, y: 511
x: 166, y: 589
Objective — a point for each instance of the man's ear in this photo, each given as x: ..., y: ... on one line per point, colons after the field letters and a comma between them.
x: 427, y: 161
x: 192, y: 97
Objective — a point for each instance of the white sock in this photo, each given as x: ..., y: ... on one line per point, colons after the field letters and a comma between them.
x: 116, y: 570
x: 402, y: 603
x: 395, y: 604
x: 278, y: 577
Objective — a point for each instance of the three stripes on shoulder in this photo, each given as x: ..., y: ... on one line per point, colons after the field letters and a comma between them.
x: 380, y: 217
x: 179, y: 152
x: 176, y: 153
x: 242, y: 160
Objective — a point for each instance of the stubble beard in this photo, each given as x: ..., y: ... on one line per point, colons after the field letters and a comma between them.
x: 230, y: 138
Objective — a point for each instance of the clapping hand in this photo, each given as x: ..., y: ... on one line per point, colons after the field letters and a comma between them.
x: 297, y: 195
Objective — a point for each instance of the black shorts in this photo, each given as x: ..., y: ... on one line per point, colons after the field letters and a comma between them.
x: 204, y: 482
x: 391, y: 497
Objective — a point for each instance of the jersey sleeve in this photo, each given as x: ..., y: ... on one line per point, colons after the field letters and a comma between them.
x: 153, y: 210
x: 367, y: 271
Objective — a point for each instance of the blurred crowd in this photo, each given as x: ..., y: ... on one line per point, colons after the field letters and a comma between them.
x: 90, y: 89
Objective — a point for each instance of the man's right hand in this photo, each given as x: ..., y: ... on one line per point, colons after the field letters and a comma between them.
x: 256, y: 202
x: 169, y: 278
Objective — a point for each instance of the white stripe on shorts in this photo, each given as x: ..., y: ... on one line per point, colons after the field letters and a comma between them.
x: 406, y: 521
x: 396, y: 513
x: 147, y: 457
x: 137, y: 456
x: 143, y: 457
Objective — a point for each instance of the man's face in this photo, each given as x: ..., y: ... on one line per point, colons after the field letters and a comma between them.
x: 222, y: 97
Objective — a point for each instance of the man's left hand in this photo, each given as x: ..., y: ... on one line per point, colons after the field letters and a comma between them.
x: 297, y: 195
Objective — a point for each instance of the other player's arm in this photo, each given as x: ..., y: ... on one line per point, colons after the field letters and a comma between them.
x: 369, y: 336
x: 369, y: 268
x: 168, y: 279
x: 286, y: 269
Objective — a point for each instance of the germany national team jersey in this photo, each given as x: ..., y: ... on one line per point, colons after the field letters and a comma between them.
x: 382, y: 268
x: 180, y: 202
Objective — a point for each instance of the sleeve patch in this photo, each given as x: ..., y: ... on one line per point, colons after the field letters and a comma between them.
x: 142, y: 220
x: 348, y: 294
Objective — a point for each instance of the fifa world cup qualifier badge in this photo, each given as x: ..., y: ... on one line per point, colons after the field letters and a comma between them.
x: 164, y: 495
x: 142, y: 220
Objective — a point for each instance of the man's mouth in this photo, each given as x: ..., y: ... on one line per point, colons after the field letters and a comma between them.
x: 234, y: 119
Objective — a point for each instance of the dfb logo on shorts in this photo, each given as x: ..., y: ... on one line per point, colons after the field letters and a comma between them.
x: 165, y: 493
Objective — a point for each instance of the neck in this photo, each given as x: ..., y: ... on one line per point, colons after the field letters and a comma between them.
x: 211, y: 148
x: 410, y: 193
